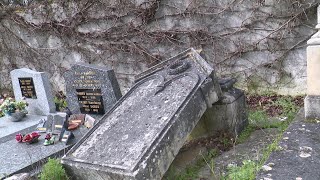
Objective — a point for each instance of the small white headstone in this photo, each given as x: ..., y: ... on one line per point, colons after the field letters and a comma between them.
x: 36, y: 88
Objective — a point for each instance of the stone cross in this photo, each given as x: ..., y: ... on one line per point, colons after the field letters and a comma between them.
x: 143, y: 132
x: 36, y: 88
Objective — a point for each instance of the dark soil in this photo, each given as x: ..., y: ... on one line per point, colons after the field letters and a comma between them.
x: 269, y: 105
x: 221, y: 143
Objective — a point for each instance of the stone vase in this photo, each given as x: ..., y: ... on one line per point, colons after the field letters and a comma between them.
x: 16, y: 116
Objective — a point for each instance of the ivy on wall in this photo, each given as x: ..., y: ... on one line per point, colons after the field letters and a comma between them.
x: 253, y: 40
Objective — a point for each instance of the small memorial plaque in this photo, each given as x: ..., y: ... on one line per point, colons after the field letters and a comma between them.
x: 90, y: 101
x: 27, y: 88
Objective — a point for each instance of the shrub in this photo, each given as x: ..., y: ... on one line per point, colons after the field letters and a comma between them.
x: 60, y: 103
x: 53, y: 170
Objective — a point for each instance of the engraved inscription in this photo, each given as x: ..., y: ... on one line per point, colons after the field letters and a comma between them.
x: 86, y: 79
x: 90, y: 101
x: 27, y: 88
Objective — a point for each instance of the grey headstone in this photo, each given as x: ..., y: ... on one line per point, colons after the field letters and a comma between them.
x: 35, y: 86
x: 91, y: 89
x: 140, y: 136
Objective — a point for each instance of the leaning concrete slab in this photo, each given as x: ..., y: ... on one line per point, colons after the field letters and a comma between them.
x: 140, y: 136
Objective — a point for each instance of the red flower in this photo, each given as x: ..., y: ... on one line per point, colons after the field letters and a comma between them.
x: 48, y: 137
x: 19, y: 137
x: 27, y: 138
x: 35, y: 135
x: 31, y: 138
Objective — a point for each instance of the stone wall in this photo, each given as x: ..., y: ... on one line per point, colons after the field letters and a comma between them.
x: 262, y: 42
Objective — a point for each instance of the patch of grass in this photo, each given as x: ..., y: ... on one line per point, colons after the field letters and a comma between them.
x: 287, y: 105
x: 245, y: 134
x: 250, y: 168
x: 259, y: 119
x: 53, y: 170
x: 192, y: 171
x: 244, y: 172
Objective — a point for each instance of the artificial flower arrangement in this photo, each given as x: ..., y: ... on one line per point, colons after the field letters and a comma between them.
x: 10, y: 106
x: 28, y: 138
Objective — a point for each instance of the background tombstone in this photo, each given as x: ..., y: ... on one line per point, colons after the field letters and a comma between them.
x: 91, y: 89
x: 312, y: 101
x: 35, y: 86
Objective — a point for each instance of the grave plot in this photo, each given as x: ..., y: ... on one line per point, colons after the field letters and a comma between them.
x: 140, y: 136
x: 23, y: 157
x: 91, y: 89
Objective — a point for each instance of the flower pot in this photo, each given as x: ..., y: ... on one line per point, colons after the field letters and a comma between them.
x: 16, y: 116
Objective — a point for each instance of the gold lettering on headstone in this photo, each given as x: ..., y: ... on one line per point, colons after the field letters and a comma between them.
x: 27, y: 87
x: 90, y: 101
x: 86, y: 79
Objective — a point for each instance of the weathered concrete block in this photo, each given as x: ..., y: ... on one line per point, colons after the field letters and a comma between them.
x: 228, y: 115
x: 140, y: 136
x: 312, y: 107
x: 36, y: 88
